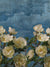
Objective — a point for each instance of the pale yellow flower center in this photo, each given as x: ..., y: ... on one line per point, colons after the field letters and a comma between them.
x: 4, y: 39
x: 40, y: 38
x: 40, y: 50
x: 8, y: 50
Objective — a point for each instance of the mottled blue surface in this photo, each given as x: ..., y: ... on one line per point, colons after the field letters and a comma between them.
x: 24, y: 14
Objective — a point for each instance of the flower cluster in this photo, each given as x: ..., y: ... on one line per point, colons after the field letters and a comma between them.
x: 12, y: 47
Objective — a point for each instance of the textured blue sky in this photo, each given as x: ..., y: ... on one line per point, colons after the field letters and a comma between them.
x: 24, y: 14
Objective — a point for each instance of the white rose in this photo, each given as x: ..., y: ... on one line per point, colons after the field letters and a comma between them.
x: 48, y: 31
x: 2, y: 30
x: 8, y: 51
x: 49, y: 43
x: 6, y: 38
x: 47, y: 62
x: 20, y: 60
x: 0, y: 58
x: 30, y: 54
x: 38, y: 28
x: 20, y: 42
x: 41, y: 50
x: 12, y: 31
x: 42, y: 37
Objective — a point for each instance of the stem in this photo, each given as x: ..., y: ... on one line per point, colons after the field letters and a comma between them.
x: 4, y: 44
x: 34, y: 64
x: 37, y: 61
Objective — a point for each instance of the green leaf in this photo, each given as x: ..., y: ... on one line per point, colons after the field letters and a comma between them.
x: 27, y: 38
x: 10, y: 43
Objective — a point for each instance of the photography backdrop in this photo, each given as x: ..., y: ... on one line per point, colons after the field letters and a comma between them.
x: 24, y: 14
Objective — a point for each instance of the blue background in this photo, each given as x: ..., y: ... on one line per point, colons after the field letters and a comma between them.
x: 24, y: 14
